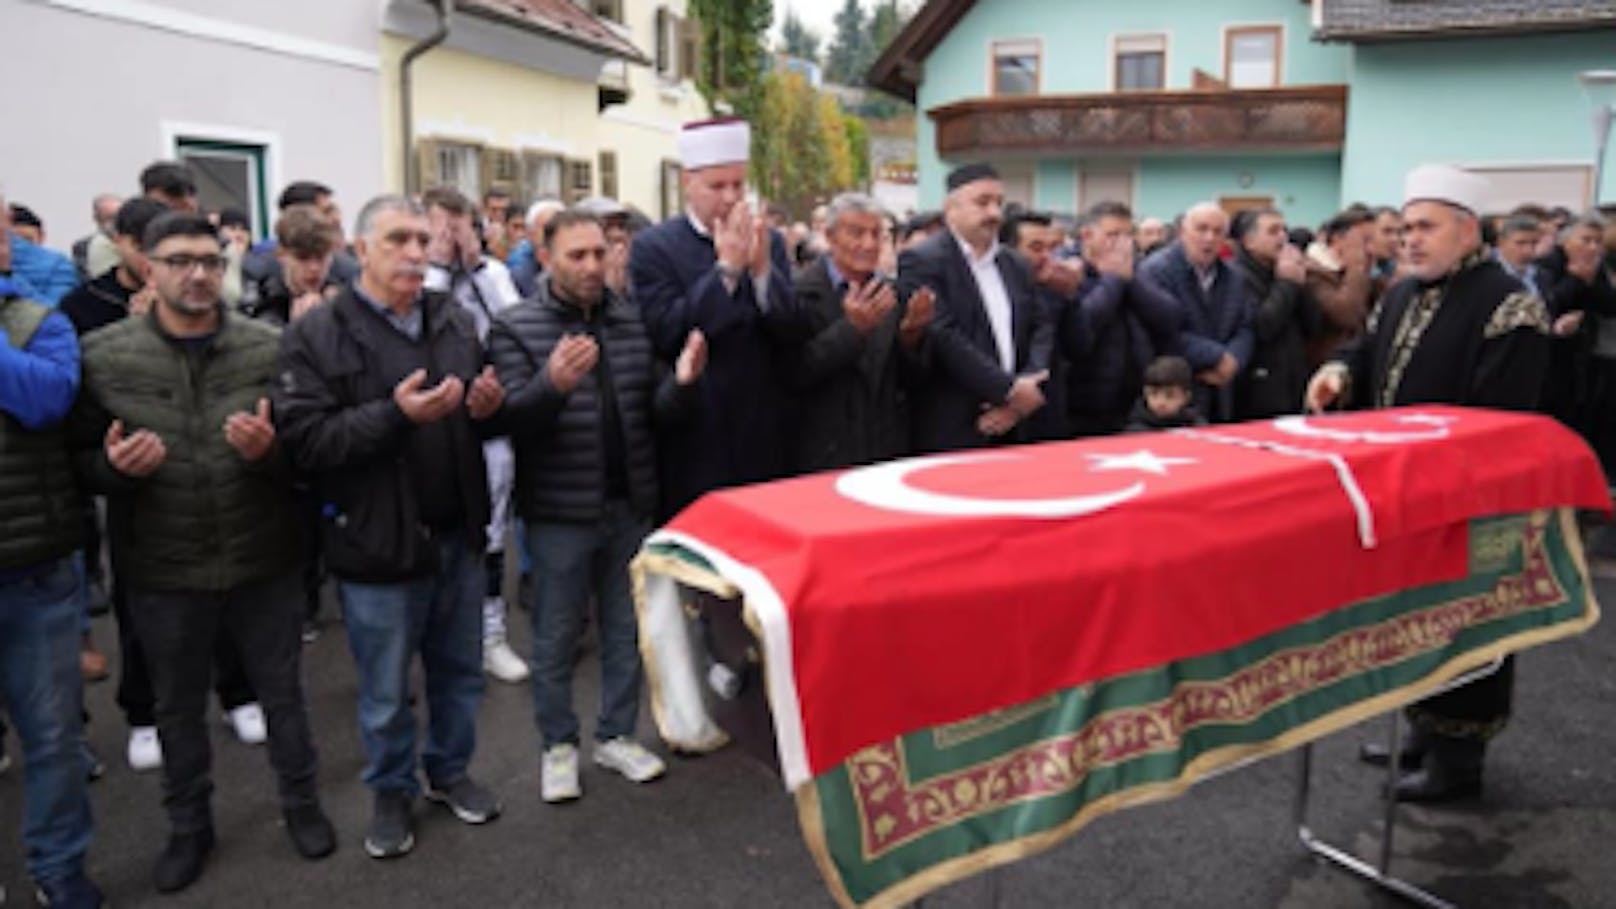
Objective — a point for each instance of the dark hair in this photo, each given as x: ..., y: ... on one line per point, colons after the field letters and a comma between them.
x: 1345, y: 221
x: 1301, y: 237
x: 1519, y: 223
x: 1532, y: 210
x: 447, y: 198
x: 176, y: 224
x: 496, y: 193
x: 1169, y: 372
x: 1107, y: 210
x: 170, y: 178
x: 22, y: 214
x: 1386, y: 210
x: 570, y: 217
x: 1561, y: 213
x: 1489, y: 231
x: 1245, y: 221
x: 234, y: 217
x: 134, y: 215
x: 304, y: 232
x: 1010, y: 231
x: 302, y: 192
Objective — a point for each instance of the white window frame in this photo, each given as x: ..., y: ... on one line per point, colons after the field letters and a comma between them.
x: 1119, y: 38
x: 1224, y: 71
x: 1037, y: 44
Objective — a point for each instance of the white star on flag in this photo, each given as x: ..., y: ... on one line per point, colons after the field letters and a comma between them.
x: 1142, y: 461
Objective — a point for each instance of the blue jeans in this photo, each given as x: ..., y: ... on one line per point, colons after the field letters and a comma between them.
x: 40, y: 624
x: 571, y: 562
x: 439, y: 616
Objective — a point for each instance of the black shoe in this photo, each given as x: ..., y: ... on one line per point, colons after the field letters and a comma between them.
x: 1436, y: 784
x: 75, y: 892
x: 392, y: 829
x: 469, y: 801
x: 1375, y: 755
x: 182, y: 861
x: 311, y: 831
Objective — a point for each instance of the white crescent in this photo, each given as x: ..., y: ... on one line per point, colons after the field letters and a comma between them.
x: 1438, y: 429
x: 886, y: 486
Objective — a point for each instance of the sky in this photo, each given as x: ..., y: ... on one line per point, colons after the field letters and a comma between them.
x: 818, y: 15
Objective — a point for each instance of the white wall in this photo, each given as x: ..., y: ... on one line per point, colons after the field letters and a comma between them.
x: 88, y: 95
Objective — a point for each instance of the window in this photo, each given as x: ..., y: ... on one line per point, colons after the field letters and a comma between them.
x: 607, y: 9
x: 1015, y: 67
x: 228, y: 175
x: 608, y: 174
x: 460, y: 166
x: 1141, y: 63
x: 541, y: 176
x: 1252, y: 57
x: 673, y: 189
x: 580, y: 181
x: 669, y: 35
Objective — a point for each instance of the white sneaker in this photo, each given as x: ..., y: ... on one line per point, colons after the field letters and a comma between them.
x: 559, y: 782
x: 248, y: 723
x: 145, y: 751
x: 501, y: 662
x: 629, y: 758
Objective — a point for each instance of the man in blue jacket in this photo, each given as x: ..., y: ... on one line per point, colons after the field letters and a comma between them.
x: 1215, y: 322
x: 42, y: 592
x: 40, y: 274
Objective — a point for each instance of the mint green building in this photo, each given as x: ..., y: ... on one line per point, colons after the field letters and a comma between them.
x: 1303, y: 106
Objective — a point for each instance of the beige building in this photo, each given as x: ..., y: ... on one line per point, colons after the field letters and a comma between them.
x: 542, y: 98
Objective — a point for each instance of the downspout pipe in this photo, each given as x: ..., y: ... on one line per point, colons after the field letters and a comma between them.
x: 406, y: 94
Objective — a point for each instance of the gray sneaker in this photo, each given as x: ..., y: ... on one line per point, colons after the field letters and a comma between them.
x: 469, y: 801
x: 392, y: 829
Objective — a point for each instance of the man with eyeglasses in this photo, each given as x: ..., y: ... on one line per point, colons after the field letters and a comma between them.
x: 173, y: 426
x: 384, y: 398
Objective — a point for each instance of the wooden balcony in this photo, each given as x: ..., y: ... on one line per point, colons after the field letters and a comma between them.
x: 1302, y: 119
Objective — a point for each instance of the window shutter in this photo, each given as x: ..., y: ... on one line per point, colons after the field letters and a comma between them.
x: 663, y: 22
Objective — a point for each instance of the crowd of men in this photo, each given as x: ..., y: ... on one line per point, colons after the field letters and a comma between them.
x: 234, y: 423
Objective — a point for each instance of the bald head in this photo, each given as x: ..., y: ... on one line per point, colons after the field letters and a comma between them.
x: 1202, y: 233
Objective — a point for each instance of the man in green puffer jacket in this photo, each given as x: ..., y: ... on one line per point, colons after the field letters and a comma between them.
x: 173, y: 426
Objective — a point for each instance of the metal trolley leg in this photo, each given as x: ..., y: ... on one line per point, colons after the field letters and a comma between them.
x: 1380, y: 874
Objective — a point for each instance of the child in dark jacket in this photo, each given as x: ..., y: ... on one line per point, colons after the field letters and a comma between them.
x: 1166, y: 403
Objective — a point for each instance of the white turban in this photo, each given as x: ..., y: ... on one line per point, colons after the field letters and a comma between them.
x: 713, y: 142
x: 1445, y: 183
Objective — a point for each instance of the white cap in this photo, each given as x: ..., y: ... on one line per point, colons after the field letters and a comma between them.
x: 710, y: 143
x: 1449, y: 184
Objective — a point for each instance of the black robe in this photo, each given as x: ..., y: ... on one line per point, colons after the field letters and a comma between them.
x: 1475, y: 338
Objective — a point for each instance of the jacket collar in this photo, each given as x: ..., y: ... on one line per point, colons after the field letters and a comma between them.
x: 612, y: 308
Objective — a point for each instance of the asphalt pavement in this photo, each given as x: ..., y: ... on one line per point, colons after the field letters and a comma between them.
x: 719, y: 831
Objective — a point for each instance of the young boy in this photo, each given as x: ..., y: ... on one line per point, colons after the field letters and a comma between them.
x: 1166, y: 402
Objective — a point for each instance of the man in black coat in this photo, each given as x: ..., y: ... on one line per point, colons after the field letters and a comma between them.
x: 383, y: 396
x: 849, y: 377
x: 718, y: 268
x: 584, y: 392
x: 1460, y: 330
x: 1274, y: 275
x: 989, y: 344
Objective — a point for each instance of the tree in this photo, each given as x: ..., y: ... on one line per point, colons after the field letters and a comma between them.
x: 798, y: 40
x: 858, y: 145
x: 732, y: 50
x: 805, y: 149
x: 885, y: 24
x: 851, y: 51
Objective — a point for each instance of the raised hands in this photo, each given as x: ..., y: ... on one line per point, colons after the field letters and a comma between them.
x: 922, y: 309
x: 429, y: 405
x: 571, y: 359
x: 138, y: 455
x: 692, y: 359
x: 252, y: 435
x: 486, y: 395
x: 867, y: 305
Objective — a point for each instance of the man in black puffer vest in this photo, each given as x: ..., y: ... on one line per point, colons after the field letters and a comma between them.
x: 42, y: 589
x: 584, y: 390
x: 174, y: 428
x: 382, y: 398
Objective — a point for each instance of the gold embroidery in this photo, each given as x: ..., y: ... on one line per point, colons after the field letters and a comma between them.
x: 1416, y: 319
x: 989, y: 723
x: 1519, y: 310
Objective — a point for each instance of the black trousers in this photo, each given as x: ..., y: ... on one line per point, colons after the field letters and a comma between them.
x: 135, y: 695
x: 179, y: 631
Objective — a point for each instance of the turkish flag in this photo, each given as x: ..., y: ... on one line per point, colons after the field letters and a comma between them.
x: 905, y: 595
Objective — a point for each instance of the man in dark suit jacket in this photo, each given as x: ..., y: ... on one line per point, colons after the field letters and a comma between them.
x: 718, y: 268
x: 1215, y: 320
x: 849, y: 378
x: 989, y: 345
